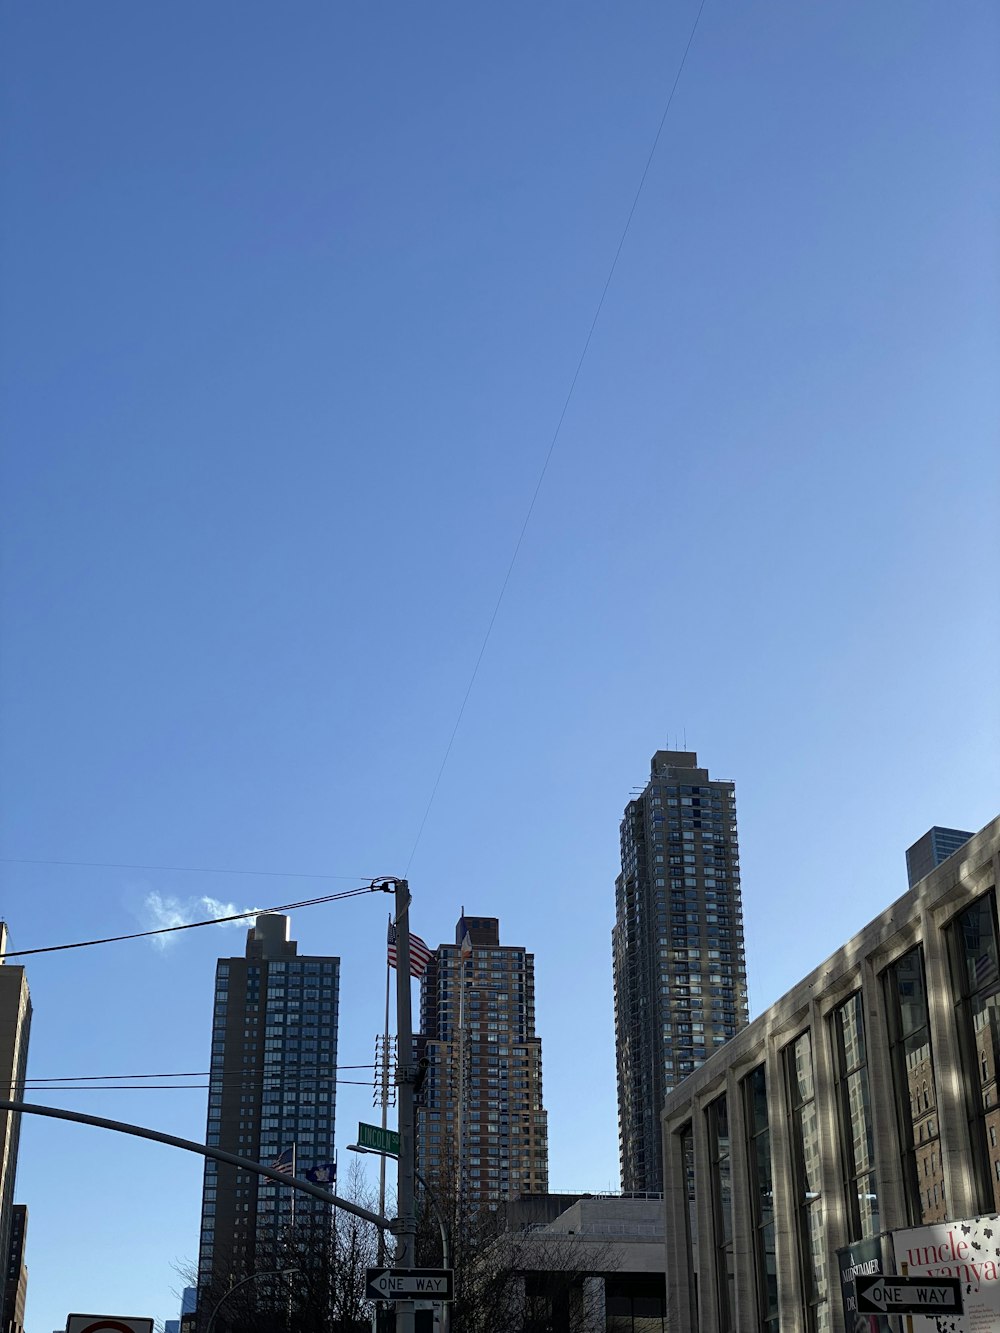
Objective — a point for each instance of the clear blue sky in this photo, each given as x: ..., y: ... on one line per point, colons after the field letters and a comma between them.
x: 293, y: 296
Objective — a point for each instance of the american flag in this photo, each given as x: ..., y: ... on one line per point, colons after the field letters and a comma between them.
x: 284, y: 1162
x: 419, y: 952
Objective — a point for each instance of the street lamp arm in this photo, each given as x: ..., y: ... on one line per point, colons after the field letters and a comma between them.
x: 188, y: 1145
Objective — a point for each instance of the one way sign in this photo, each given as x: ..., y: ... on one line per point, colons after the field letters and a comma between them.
x: 408, y: 1284
x: 891, y: 1294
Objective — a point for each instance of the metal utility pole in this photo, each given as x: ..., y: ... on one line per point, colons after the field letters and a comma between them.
x: 406, y: 1073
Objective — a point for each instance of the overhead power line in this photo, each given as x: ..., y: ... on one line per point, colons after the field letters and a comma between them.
x: 183, y: 1073
x: 194, y: 925
x: 556, y: 433
x: 158, y: 1087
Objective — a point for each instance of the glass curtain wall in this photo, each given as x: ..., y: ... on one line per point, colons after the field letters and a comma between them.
x: 914, y: 1086
x: 976, y: 976
x: 761, y: 1198
x: 690, y: 1216
x: 854, y: 1104
x: 721, y: 1166
x: 808, y: 1183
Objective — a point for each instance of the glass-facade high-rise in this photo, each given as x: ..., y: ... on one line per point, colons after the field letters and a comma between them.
x: 927, y: 853
x: 480, y: 1119
x: 677, y: 944
x: 272, y: 1090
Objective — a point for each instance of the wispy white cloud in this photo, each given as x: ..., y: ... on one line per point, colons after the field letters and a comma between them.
x: 163, y: 911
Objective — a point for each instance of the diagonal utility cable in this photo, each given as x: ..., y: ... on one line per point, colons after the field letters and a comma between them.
x: 557, y: 431
x: 192, y: 925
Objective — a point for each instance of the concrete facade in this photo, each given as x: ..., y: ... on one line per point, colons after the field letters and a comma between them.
x: 862, y: 1102
x: 614, y: 1248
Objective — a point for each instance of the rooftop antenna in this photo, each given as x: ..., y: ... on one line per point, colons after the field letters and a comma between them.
x: 685, y: 738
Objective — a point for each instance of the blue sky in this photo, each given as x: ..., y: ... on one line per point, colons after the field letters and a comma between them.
x: 293, y: 297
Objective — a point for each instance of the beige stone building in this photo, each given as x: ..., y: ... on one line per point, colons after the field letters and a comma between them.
x: 862, y: 1102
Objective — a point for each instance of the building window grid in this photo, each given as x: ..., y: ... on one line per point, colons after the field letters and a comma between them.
x: 975, y: 965
x: 855, y: 1118
x: 758, y: 1130
x: 801, y: 1095
x: 720, y: 1167
x: 912, y: 1061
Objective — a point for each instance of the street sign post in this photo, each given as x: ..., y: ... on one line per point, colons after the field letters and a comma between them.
x: 378, y: 1139
x: 407, y: 1284
x: 891, y: 1294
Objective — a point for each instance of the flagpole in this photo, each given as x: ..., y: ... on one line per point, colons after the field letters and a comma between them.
x: 294, y: 1176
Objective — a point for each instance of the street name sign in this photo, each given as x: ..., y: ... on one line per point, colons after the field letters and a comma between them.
x: 408, y: 1284
x: 378, y: 1139
x: 890, y: 1294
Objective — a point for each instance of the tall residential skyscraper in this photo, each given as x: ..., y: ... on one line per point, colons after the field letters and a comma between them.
x: 16, y: 1278
x: 15, y: 1025
x: 677, y: 944
x: 928, y: 852
x: 480, y: 1118
x: 272, y: 1088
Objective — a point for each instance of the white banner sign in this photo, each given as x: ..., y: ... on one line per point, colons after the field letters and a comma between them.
x: 968, y: 1250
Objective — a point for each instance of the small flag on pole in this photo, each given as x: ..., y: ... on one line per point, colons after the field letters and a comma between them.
x: 323, y: 1175
x: 419, y: 952
x: 284, y: 1162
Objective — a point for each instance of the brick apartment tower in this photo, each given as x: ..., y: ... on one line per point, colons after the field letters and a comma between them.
x: 480, y: 1118
x: 677, y: 944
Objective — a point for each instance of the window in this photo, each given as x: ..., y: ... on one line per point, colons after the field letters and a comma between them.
x: 761, y: 1198
x: 976, y: 978
x: 912, y: 1063
x: 720, y: 1165
x: 808, y: 1182
x: 854, y: 1105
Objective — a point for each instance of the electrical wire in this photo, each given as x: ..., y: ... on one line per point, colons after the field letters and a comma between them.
x: 556, y: 433
x: 163, y: 1087
x: 194, y: 925
x: 183, y: 1073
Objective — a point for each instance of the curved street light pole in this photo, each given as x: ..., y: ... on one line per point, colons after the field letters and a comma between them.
x: 274, y: 1272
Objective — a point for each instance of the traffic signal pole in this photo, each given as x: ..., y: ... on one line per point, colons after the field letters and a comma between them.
x: 406, y: 1073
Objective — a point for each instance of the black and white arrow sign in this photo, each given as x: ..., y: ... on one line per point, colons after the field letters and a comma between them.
x: 889, y: 1294
x: 408, y: 1284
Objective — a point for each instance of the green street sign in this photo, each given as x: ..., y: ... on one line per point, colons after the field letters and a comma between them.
x: 378, y: 1139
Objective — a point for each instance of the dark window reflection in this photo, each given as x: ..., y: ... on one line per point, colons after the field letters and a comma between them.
x: 761, y: 1198
x: 855, y: 1118
x: 808, y: 1182
x: 977, y: 983
x: 720, y: 1158
x: 914, y: 1086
